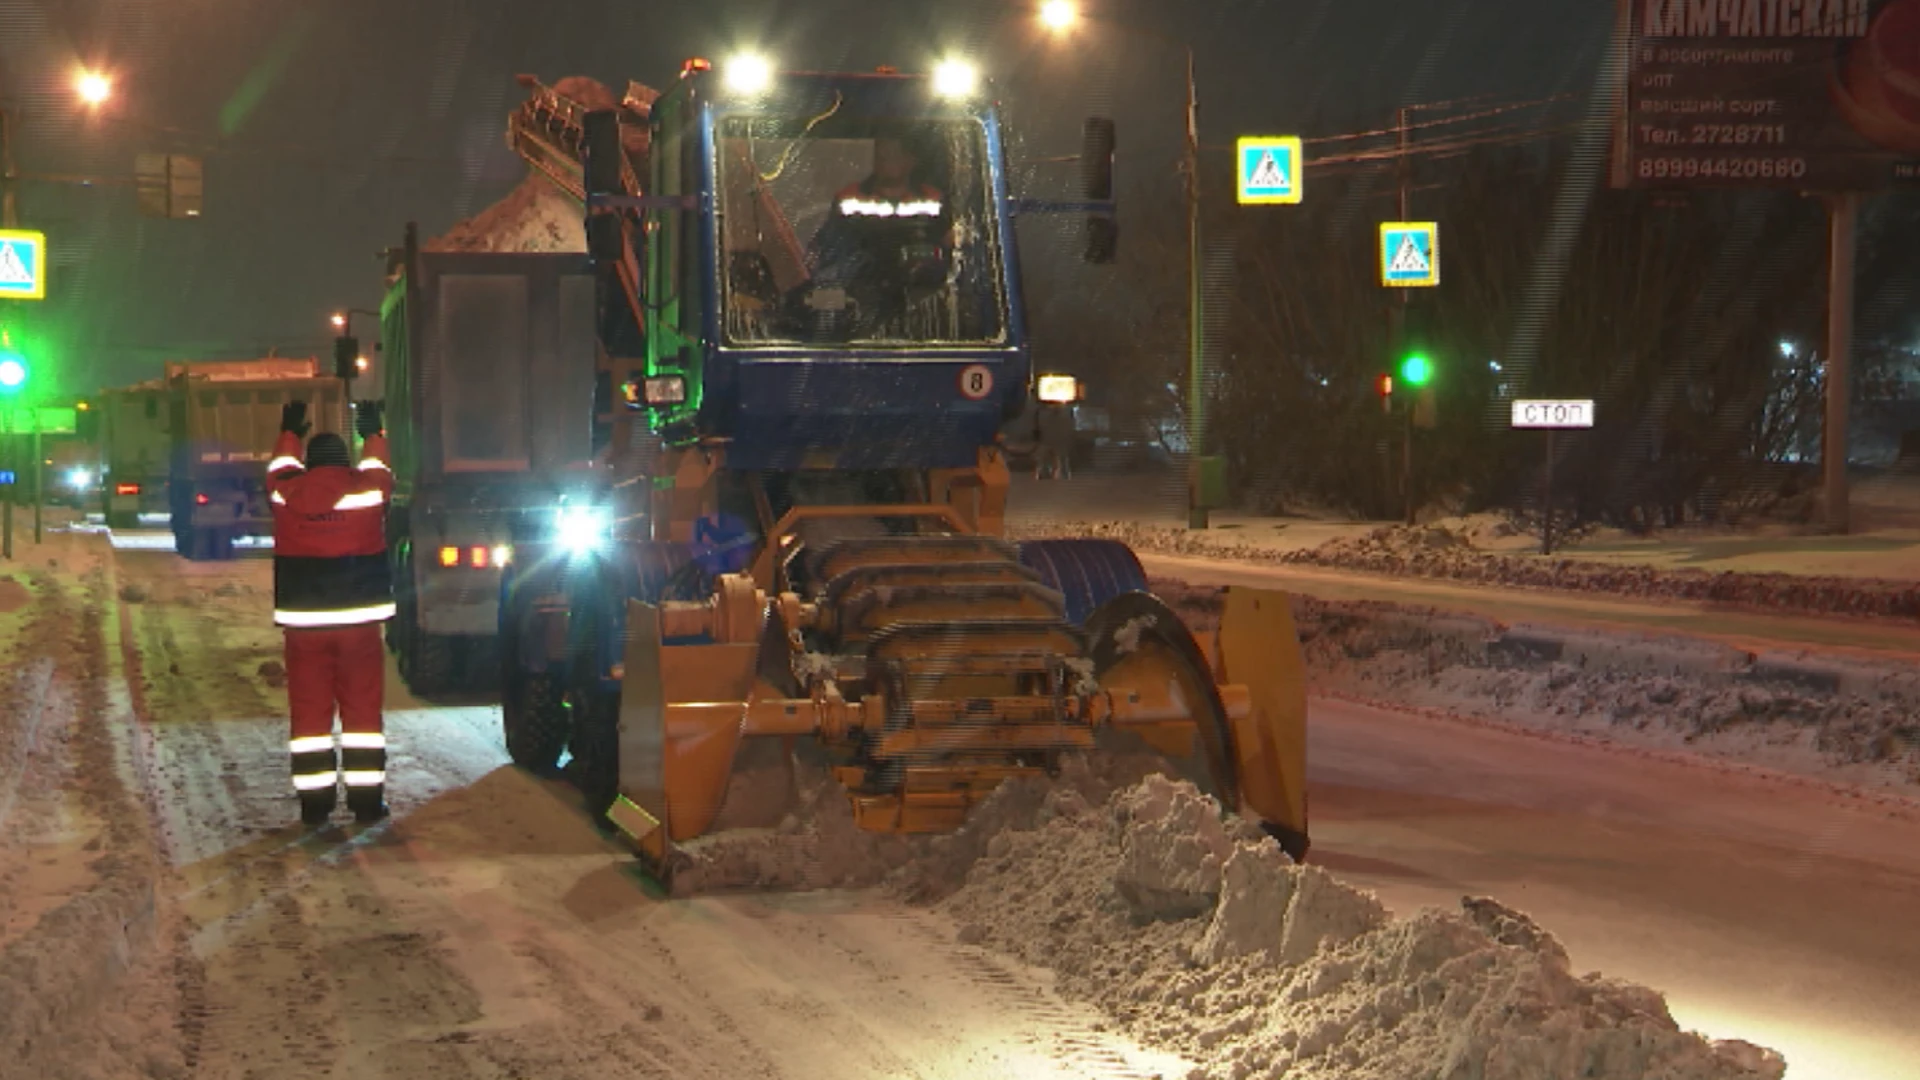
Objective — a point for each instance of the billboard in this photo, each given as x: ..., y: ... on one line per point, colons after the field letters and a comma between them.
x: 1805, y: 95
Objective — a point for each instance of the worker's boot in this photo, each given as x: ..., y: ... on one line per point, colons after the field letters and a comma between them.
x: 316, y: 807
x: 363, y: 764
x: 369, y: 804
x: 316, y: 776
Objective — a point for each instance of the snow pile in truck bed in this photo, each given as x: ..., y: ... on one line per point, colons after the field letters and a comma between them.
x: 535, y: 216
x: 1217, y: 947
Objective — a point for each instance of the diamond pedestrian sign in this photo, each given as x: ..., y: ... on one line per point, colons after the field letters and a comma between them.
x: 1269, y: 169
x: 1409, y: 254
x: 23, y: 265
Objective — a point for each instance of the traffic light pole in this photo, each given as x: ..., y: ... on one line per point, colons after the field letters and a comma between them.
x: 1197, y: 515
x: 39, y: 477
x: 1399, y: 331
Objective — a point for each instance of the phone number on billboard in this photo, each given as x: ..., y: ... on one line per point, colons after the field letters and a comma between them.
x: 1738, y: 168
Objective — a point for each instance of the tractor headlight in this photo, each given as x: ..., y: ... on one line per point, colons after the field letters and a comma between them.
x: 748, y: 74
x: 955, y: 78
x: 582, y: 530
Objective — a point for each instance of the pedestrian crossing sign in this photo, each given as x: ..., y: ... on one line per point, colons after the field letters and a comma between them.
x: 1409, y: 254
x: 1269, y: 169
x: 23, y: 265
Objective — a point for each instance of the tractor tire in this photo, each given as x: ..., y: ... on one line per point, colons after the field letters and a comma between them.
x: 535, y: 721
x: 595, y: 769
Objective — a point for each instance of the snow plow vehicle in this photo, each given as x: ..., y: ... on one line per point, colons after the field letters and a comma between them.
x: 794, y: 538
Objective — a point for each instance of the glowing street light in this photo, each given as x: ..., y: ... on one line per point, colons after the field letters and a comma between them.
x: 1059, y: 15
x: 339, y: 320
x: 93, y: 87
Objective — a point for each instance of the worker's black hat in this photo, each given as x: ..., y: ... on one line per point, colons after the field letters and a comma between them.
x: 326, y: 449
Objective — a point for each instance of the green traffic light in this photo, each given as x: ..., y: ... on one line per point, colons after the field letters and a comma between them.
x: 13, y: 372
x: 1416, y: 370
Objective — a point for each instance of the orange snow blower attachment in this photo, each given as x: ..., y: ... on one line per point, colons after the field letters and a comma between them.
x: 932, y: 668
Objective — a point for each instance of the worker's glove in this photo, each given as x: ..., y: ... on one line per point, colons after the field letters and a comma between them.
x: 366, y: 418
x: 293, y: 418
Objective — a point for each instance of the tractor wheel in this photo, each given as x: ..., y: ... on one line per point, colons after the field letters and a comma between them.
x: 595, y: 770
x: 534, y: 717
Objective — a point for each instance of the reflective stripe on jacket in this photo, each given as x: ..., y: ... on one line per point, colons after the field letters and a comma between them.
x: 330, y: 563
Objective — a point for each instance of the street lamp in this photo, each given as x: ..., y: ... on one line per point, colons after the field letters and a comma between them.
x: 1059, y: 15
x: 93, y: 87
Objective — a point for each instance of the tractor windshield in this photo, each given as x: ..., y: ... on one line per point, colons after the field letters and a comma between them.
x: 874, y: 234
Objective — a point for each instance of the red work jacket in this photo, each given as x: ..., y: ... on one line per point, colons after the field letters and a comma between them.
x: 330, y: 537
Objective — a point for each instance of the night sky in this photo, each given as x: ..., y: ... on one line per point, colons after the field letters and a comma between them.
x: 326, y: 126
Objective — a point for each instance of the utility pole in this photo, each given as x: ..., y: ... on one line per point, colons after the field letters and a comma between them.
x: 1844, y: 220
x: 9, y: 207
x: 1197, y: 516
x: 1398, y: 333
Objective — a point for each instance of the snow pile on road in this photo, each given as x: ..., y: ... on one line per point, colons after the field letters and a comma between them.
x: 1437, y: 551
x: 1212, y: 944
x: 1413, y: 657
x: 816, y: 844
x: 78, y: 873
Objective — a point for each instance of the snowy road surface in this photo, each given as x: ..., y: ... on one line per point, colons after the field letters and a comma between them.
x: 488, y: 931
x: 1763, y: 907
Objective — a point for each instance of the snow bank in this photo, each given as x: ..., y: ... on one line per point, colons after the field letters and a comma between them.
x: 1198, y: 935
x: 1288, y: 972
x: 78, y: 869
x: 1435, y: 551
x: 1863, y: 732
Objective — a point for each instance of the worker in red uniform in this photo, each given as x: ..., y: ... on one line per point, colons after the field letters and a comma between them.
x: 331, y: 591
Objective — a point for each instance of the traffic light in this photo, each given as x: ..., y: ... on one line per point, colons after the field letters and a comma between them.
x: 1417, y: 371
x: 346, y: 351
x: 13, y: 372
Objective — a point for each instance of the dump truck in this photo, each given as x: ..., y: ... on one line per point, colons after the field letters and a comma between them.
x: 795, y: 538
x: 489, y: 387
x: 136, y: 452
x: 224, y: 417
x: 194, y: 444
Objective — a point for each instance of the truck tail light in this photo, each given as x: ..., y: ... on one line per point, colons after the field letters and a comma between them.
x: 449, y: 556
x: 200, y: 500
x: 477, y: 558
x: 502, y: 555
x: 126, y: 489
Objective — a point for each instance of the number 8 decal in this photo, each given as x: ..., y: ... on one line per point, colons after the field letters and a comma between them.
x: 976, y: 382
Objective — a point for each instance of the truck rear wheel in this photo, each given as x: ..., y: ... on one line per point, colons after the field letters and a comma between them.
x: 533, y: 714
x: 428, y: 663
